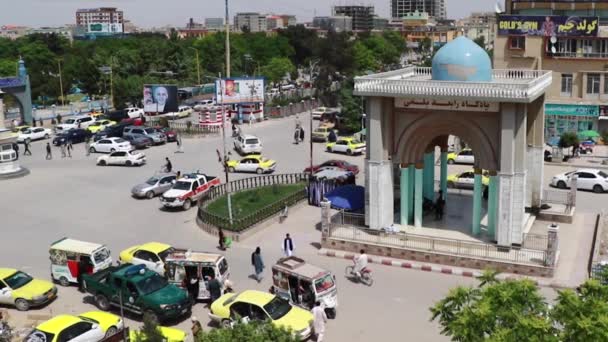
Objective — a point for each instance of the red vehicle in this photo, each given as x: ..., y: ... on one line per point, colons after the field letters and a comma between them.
x: 132, y: 121
x: 340, y: 164
x: 188, y: 190
x: 171, y: 134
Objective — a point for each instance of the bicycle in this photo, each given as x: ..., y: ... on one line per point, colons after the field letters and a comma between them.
x: 365, y: 278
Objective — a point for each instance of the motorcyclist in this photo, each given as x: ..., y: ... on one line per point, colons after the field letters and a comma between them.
x: 360, y: 263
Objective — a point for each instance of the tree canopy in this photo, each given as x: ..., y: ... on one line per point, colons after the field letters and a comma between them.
x: 250, y: 332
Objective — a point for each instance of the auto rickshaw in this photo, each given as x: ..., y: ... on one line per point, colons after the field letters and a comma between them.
x: 186, y: 267
x: 66, y: 254
x: 303, y: 284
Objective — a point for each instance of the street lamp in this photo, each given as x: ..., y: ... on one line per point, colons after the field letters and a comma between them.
x: 60, y: 82
x: 227, y: 42
x: 198, y: 65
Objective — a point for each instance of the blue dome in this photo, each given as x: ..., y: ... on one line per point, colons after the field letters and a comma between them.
x: 462, y: 60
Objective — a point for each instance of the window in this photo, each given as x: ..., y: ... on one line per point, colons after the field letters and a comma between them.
x: 566, y: 89
x: 517, y: 42
x: 2, y: 285
x: 194, y: 185
x: 239, y: 310
x: 593, y: 83
x: 147, y: 256
x: 586, y: 175
x: 258, y: 314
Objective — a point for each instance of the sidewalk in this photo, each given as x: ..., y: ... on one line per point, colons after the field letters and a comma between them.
x: 600, y: 154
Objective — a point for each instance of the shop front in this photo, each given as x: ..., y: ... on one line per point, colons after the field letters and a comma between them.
x: 561, y: 118
x: 602, y: 123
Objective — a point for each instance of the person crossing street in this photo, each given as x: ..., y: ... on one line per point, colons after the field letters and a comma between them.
x: 49, y: 155
x: 26, y: 146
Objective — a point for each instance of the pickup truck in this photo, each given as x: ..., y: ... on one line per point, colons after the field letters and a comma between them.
x: 187, y: 190
x: 143, y: 292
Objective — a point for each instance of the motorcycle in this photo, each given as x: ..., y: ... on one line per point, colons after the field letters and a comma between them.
x: 365, y: 277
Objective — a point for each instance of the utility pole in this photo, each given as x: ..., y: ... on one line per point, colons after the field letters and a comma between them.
x: 112, y: 81
x: 225, y: 161
x: 227, y: 42
x: 60, y: 82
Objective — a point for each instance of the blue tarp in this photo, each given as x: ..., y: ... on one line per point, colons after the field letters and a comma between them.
x: 347, y: 197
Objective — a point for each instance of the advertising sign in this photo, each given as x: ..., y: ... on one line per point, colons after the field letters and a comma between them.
x: 239, y: 90
x: 604, y: 112
x: 104, y: 28
x: 160, y: 98
x: 548, y: 26
x: 571, y: 109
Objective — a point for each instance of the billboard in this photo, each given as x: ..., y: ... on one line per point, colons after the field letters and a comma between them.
x: 104, y: 28
x: 239, y: 90
x: 548, y: 26
x: 160, y: 98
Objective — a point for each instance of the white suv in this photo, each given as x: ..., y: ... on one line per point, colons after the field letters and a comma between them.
x: 246, y: 144
x: 134, y: 112
x: 74, y: 122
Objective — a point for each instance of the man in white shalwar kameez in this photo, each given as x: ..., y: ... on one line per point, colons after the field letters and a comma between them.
x: 319, y: 319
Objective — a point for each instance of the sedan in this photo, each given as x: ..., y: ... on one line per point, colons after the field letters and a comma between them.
x: 341, y: 164
x: 122, y: 158
x: 75, y: 135
x: 155, y: 185
x: 466, y: 180
x: 588, y: 179
x: 168, y: 132
x: 139, y: 142
x: 110, y: 145
x: 349, y: 146
x: 252, y: 163
x: 100, y: 125
x: 34, y: 133
x: 90, y: 326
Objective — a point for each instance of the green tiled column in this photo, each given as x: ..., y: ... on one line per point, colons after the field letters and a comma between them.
x: 444, y: 174
x: 492, y: 205
x: 429, y: 176
x: 410, y: 192
x: 418, y: 197
x: 405, y: 200
x: 477, y: 194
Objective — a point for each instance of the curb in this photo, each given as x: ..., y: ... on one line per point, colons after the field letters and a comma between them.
x: 469, y: 273
x: 579, y: 166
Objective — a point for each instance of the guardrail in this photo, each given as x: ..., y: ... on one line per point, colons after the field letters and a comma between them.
x: 558, y: 197
x: 348, y: 226
x: 242, y: 223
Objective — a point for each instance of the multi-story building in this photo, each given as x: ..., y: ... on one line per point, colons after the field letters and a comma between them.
x: 64, y: 31
x: 253, y: 21
x: 568, y: 39
x: 214, y: 24
x: 480, y: 24
x: 435, y: 8
x: 100, y: 21
x: 362, y: 16
x: 336, y: 23
x: 13, y: 31
x: 380, y: 23
x: 418, y: 26
x: 274, y: 21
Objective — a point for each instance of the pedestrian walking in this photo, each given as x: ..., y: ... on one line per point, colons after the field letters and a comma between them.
x: 58, y: 118
x: 298, y: 122
x: 439, y: 205
x: 69, y: 148
x: 33, y: 122
x: 26, y: 148
x: 251, y: 118
x: 87, y: 141
x: 178, y: 141
x: 63, y: 155
x: 296, y: 135
x: 288, y: 245
x: 214, y: 287
x: 222, y: 238
x: 301, y: 134
x: 41, y: 123
x: 49, y: 155
x: 319, y: 319
x: 82, y: 269
x: 258, y: 263
x: 197, y: 328
x: 16, y: 148
x: 168, y: 165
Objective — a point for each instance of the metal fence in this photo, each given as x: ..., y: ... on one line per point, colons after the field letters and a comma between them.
x: 291, y: 109
x: 535, y: 241
x: 242, y: 223
x: 347, y: 226
x: 558, y: 197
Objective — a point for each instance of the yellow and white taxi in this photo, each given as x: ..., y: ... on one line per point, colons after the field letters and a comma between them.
x: 91, y: 326
x: 21, y: 290
x: 151, y: 254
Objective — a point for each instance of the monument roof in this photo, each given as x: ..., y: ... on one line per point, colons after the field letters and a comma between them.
x: 462, y: 60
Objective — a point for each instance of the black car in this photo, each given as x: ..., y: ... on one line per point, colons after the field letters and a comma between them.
x: 138, y: 142
x: 114, y: 131
x: 76, y: 135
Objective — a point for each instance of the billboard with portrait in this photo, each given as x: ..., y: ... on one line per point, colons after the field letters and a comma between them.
x: 160, y: 98
x: 239, y: 90
x: 548, y: 26
x: 104, y: 28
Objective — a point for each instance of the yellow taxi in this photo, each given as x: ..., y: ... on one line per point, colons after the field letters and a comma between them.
x: 170, y: 334
x: 260, y: 306
x: 252, y: 163
x: 466, y: 180
x: 21, y: 129
x: 21, y: 290
x: 151, y: 254
x: 348, y: 145
x: 100, y: 125
x: 90, y: 326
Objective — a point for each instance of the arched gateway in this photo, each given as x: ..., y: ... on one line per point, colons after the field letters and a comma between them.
x: 499, y: 113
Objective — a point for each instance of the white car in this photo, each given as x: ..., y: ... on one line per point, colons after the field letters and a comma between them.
x: 134, y: 112
x: 317, y: 113
x: 246, y: 144
x: 184, y: 111
x: 109, y: 145
x: 82, y: 121
x: 34, y: 133
x: 122, y: 158
x: 588, y: 179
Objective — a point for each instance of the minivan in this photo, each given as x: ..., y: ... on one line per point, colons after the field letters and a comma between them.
x: 246, y: 144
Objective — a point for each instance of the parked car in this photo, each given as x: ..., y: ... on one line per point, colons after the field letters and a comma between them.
x: 168, y: 132
x: 246, y: 144
x: 348, y: 145
x: 110, y: 145
x: 187, y: 190
x: 19, y: 289
x: 100, y: 125
x: 149, y: 132
x: 150, y: 254
x: 318, y: 112
x: 466, y: 180
x: 252, y: 163
x: 588, y: 179
x: 342, y: 164
x: 184, y: 111
x: 34, y: 133
x: 154, y: 186
x: 122, y: 158
x: 22, y: 128
x: 321, y: 134
x: 463, y: 157
x: 91, y: 326
x: 139, y: 142
x: 76, y: 135
x: 83, y: 121
x: 134, y: 112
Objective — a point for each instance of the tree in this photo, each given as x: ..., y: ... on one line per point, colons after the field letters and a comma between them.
x: 149, y: 332
x: 277, y: 69
x: 481, y: 41
x: 351, y: 109
x: 364, y: 58
x: 568, y: 139
x: 8, y: 67
x: 250, y: 332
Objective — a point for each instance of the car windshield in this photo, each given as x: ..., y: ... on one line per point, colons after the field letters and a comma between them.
x: 182, y: 185
x: 150, y: 130
x: 152, y: 181
x: 101, y: 255
x: 603, y: 174
x: 251, y: 141
x: 17, y: 280
x: 324, y: 284
x: 70, y: 121
x: 355, y: 141
x: 163, y: 255
x: 151, y: 284
x: 39, y: 336
x: 277, y: 308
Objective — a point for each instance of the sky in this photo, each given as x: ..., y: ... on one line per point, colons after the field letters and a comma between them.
x: 157, y: 13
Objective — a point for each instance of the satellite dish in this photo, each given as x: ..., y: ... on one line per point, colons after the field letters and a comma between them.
x: 553, y: 49
x: 498, y: 8
x: 553, y: 40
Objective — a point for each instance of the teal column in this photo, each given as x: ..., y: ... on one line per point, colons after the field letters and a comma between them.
x: 477, y: 193
x: 492, y: 205
x: 405, y: 200
x: 429, y: 176
x: 410, y: 193
x: 443, y: 177
x: 418, y: 197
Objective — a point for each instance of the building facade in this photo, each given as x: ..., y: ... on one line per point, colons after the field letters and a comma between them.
x: 253, y: 21
x: 435, y: 8
x: 362, y: 16
x: 336, y: 23
x: 66, y: 32
x: 479, y: 24
x: 214, y: 24
x: 100, y: 21
x: 540, y: 36
x: 13, y: 32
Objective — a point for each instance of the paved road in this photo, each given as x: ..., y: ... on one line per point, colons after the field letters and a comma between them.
x: 75, y: 198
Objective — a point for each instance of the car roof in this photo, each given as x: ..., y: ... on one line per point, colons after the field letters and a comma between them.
x: 163, y: 174
x: 155, y: 247
x: 588, y: 170
x: 258, y: 298
x: 194, y: 256
x: 249, y: 136
x: 5, y: 272
x: 77, y: 246
x: 300, y: 267
x: 58, y: 323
